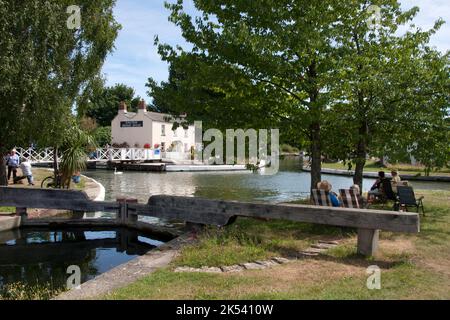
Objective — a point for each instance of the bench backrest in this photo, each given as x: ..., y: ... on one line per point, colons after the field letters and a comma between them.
x: 351, y: 199
x: 321, y: 198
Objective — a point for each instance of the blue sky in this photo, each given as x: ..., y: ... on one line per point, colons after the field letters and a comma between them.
x: 135, y: 58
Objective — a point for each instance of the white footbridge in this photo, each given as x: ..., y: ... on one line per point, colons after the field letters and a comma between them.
x: 46, y: 156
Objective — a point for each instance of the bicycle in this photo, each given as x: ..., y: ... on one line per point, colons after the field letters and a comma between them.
x: 50, y: 182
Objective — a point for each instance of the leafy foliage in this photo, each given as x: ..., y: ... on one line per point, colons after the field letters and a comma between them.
x: 315, y: 69
x: 46, y: 66
x: 76, y: 142
x: 104, y: 104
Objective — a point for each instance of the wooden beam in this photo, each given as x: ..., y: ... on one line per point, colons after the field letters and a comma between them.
x: 212, y: 212
x: 206, y: 211
x: 209, y: 212
x: 53, y: 199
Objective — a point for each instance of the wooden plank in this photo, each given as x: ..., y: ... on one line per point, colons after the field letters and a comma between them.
x: 53, y: 199
x: 213, y: 212
x: 78, y: 223
x: 219, y: 212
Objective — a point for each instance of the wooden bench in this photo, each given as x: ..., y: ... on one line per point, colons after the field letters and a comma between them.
x: 215, y: 212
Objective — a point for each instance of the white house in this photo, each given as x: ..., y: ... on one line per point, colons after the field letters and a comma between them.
x: 150, y: 128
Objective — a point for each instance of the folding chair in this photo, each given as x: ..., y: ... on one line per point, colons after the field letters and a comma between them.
x: 321, y: 198
x: 407, y: 198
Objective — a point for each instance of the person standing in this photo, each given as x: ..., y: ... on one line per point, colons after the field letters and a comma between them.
x: 13, y: 162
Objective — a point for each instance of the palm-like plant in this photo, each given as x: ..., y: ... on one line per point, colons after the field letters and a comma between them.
x: 73, y: 151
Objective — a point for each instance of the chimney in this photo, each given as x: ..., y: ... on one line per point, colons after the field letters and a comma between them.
x: 142, y: 107
x: 123, y: 107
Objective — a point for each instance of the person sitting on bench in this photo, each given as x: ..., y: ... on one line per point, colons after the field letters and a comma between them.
x: 326, y: 186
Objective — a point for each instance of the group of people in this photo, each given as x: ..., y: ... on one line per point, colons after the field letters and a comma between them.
x: 383, y: 186
x: 13, y: 163
x: 336, y: 200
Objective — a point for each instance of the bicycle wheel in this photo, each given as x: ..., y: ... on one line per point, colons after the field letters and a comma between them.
x: 48, y: 182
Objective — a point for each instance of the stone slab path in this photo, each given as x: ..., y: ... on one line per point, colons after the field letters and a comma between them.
x: 315, y: 250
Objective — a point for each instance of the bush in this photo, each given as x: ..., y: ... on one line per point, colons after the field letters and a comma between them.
x: 102, y: 136
x: 289, y: 149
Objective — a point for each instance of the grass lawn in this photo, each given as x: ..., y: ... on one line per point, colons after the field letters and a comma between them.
x: 373, y: 166
x: 413, y: 266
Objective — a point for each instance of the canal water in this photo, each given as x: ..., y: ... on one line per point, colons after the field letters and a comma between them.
x: 289, y: 184
x: 38, y: 256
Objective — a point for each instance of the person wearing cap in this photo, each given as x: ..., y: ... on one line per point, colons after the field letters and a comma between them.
x: 13, y: 162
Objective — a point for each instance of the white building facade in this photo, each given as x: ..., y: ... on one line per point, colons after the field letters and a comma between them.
x: 150, y: 129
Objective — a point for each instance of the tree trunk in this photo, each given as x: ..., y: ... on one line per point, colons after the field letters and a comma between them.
x: 359, y: 171
x: 316, y: 156
x: 3, y: 173
x: 316, y: 141
x: 361, y: 154
x: 55, y: 162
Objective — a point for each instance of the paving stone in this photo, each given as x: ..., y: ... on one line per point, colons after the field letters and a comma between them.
x: 187, y: 269
x: 325, y: 246
x: 309, y: 254
x: 211, y: 270
x: 280, y: 260
x: 253, y: 266
x: 234, y: 268
x: 314, y: 250
x: 329, y: 242
x: 267, y: 263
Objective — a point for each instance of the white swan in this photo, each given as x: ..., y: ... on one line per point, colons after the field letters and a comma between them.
x: 117, y: 172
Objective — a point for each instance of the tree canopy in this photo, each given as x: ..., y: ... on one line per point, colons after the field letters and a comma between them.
x: 316, y: 69
x: 104, y: 103
x: 46, y: 65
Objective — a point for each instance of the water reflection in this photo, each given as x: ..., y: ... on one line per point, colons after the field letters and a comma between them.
x: 38, y: 256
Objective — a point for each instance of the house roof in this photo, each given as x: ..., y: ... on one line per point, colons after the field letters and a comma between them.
x: 155, y: 116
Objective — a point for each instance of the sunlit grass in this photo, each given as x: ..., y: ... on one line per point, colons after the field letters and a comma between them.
x: 413, y: 266
x: 21, y: 291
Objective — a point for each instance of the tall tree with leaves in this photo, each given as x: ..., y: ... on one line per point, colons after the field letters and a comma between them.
x: 103, y: 103
x: 46, y: 65
x: 392, y: 87
x: 284, y: 50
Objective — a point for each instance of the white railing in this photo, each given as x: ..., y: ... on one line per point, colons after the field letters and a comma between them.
x: 99, y: 155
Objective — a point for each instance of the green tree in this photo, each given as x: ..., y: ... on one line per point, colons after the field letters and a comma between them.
x: 282, y: 50
x: 392, y: 88
x: 46, y: 66
x: 74, y: 148
x: 102, y: 136
x: 104, y: 103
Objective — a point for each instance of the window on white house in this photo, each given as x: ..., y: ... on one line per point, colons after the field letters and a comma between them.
x: 175, y: 133
x: 186, y: 133
x: 163, y: 130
